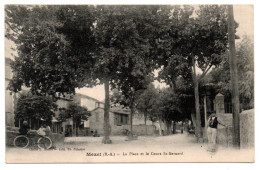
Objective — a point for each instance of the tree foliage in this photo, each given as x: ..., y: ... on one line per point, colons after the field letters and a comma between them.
x: 53, y: 45
x: 34, y: 107
x: 147, y: 102
x: 76, y: 112
x: 221, y: 75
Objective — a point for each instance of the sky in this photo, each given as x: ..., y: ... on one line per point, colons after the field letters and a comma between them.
x: 243, y: 14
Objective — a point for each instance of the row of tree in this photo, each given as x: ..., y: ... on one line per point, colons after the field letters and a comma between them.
x: 178, y: 104
x: 61, y: 48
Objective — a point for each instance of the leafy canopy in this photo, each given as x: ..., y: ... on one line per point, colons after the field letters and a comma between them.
x: 34, y: 107
x: 76, y: 112
x: 53, y: 44
x: 221, y: 75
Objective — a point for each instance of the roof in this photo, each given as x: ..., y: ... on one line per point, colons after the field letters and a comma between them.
x: 67, y: 97
x: 120, y: 111
x: 115, y: 110
x: 220, y: 94
x: 85, y: 96
x: 96, y: 109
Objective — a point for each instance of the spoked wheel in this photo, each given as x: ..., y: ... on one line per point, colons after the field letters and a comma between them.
x: 44, y: 143
x: 21, y: 141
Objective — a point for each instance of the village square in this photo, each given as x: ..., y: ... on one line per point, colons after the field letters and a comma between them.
x: 170, y: 83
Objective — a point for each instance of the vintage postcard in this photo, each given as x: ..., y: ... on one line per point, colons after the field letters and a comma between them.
x: 129, y: 83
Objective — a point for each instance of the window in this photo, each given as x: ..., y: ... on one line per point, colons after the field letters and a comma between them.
x: 97, y: 117
x: 121, y: 119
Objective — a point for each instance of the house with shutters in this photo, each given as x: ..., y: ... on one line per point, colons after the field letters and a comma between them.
x: 119, y: 121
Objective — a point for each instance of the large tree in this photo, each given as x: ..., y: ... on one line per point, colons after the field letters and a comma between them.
x: 125, y: 37
x: 199, y: 38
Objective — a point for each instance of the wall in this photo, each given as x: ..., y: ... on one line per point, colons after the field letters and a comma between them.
x: 90, y: 104
x: 12, y: 132
x: 62, y: 103
x: 138, y: 119
x: 98, y: 125
x: 138, y: 129
x: 86, y: 101
x: 224, y: 137
x: 246, y: 130
x: 9, y: 102
x: 247, y: 137
x: 141, y: 129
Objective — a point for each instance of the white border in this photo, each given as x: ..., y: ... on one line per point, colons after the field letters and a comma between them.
x: 200, y: 166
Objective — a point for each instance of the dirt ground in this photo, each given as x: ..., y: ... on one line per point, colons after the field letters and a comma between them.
x: 173, y: 148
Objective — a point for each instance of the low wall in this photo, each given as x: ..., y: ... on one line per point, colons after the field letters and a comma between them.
x: 247, y: 137
x: 12, y: 132
x: 137, y: 129
x: 141, y: 129
x: 118, y: 130
x: 225, y: 135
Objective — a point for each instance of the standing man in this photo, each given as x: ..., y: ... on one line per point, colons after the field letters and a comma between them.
x: 213, y: 122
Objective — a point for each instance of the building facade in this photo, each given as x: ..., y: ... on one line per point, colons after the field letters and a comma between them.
x: 9, y: 98
x: 119, y: 120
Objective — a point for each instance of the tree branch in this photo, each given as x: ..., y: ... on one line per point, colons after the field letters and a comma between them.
x: 204, y: 73
x: 11, y: 28
x: 193, y: 70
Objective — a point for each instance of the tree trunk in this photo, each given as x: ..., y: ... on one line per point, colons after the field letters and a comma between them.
x: 234, y: 78
x: 159, y: 126
x: 145, y: 117
x: 107, y: 127
x: 193, y: 119
x: 165, y: 128
x: 182, y: 126
x: 174, y: 127
x: 131, y: 118
x: 168, y: 126
x: 74, y: 130
x: 197, y: 104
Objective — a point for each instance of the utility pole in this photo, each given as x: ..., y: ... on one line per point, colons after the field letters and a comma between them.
x: 234, y: 77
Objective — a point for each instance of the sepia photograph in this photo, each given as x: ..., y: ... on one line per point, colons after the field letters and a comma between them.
x: 129, y: 83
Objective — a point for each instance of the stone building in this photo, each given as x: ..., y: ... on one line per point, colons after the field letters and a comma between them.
x: 67, y: 127
x: 119, y: 121
x: 9, y: 98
